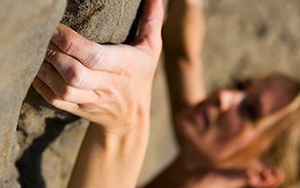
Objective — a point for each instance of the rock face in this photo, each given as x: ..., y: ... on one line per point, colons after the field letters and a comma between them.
x: 25, y: 29
x: 102, y: 21
x: 49, y: 139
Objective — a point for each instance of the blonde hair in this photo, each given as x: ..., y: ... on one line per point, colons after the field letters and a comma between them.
x: 285, y: 151
x: 284, y: 136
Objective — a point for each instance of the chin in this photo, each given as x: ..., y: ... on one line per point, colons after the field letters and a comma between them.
x: 184, y: 124
x: 189, y: 137
x: 189, y: 134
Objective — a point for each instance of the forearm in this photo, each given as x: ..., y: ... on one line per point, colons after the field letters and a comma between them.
x: 110, y: 160
x: 183, y: 93
x: 183, y: 40
x: 184, y: 29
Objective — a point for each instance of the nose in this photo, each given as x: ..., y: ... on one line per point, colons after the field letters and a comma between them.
x: 227, y: 98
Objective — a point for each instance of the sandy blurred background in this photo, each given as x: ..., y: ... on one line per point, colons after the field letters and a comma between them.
x: 245, y: 38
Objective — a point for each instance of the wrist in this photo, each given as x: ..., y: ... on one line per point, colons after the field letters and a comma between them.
x: 121, y: 145
x: 118, y: 142
x: 105, y: 154
x: 134, y: 126
x: 119, y: 133
x: 133, y: 116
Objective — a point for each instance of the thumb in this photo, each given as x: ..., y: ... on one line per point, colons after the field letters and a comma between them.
x: 151, y: 26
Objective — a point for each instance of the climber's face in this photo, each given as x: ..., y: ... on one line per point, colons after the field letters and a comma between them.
x: 229, y: 120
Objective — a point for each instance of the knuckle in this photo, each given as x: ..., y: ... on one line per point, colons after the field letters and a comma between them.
x: 41, y: 86
x: 73, y: 77
x: 67, y: 45
x: 65, y: 94
x: 43, y: 71
x: 42, y: 74
x: 50, y: 99
x: 94, y: 59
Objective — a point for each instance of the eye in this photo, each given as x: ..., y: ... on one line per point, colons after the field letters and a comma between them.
x: 249, y: 110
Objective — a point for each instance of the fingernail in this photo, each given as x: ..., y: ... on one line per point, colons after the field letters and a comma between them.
x: 48, y: 53
x: 55, y: 34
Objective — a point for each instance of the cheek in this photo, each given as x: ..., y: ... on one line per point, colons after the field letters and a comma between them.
x: 191, y: 136
x: 216, y: 144
x: 230, y: 125
x: 184, y: 125
x: 204, y: 144
x: 187, y: 130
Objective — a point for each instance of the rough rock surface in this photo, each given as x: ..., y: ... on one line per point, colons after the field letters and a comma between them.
x: 49, y: 139
x: 101, y: 21
x: 25, y: 29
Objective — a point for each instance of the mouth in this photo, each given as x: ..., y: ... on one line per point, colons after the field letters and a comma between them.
x: 201, y: 119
